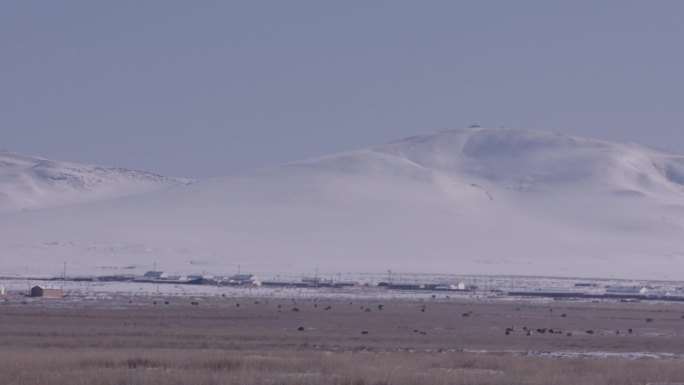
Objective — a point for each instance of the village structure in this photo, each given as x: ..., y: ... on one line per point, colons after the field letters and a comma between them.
x: 46, y: 291
x: 579, y: 290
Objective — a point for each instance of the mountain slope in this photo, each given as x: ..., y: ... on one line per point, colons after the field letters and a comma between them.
x: 476, y: 201
x: 29, y: 182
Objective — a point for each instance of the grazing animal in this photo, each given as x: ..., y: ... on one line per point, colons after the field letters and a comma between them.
x: 415, y: 330
x: 154, y: 303
x: 465, y: 315
x: 194, y: 303
x: 564, y: 315
x: 364, y: 332
x: 529, y: 332
x: 237, y: 305
x: 166, y: 302
x: 629, y: 331
x: 590, y: 332
x: 649, y: 319
x: 327, y: 308
x: 569, y: 334
x: 301, y: 328
x: 380, y: 307
x: 294, y: 309
x: 423, y: 333
x: 367, y: 310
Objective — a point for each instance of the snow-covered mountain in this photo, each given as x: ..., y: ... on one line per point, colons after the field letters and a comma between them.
x: 465, y: 201
x: 28, y: 182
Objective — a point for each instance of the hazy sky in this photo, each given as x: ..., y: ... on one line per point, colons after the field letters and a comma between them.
x: 208, y: 88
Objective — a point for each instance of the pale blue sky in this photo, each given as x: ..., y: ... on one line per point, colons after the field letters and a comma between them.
x: 208, y: 88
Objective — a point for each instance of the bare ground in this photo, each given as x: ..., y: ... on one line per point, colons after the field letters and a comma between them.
x: 266, y: 341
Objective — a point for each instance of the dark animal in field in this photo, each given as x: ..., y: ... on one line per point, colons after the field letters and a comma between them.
x: 327, y: 308
x: 629, y: 331
x: 301, y: 328
x: 465, y: 315
x: 194, y: 303
x: 256, y: 302
x: 315, y: 305
x: 569, y: 334
x: 154, y: 303
x: 415, y: 330
x: 280, y: 306
x: 649, y: 319
x: 380, y: 307
x: 423, y: 333
x: 294, y: 309
x: 590, y: 332
x: 364, y: 332
x: 367, y: 310
x: 564, y: 315
x: 529, y: 332
x: 166, y: 302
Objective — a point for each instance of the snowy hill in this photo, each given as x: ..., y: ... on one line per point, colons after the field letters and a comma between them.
x: 29, y: 182
x: 466, y: 201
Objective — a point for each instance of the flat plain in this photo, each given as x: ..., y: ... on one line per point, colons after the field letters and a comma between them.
x: 223, y: 340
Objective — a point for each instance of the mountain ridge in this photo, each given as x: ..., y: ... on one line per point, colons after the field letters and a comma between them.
x: 31, y: 182
x: 471, y: 201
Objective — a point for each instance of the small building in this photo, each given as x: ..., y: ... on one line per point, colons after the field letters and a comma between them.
x: 243, y: 279
x: 46, y: 291
x: 449, y: 286
x: 155, y: 275
x: 626, y: 290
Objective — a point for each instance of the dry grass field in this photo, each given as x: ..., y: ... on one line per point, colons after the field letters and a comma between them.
x: 150, y: 341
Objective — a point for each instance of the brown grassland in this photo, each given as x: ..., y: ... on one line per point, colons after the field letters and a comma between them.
x: 134, y: 341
